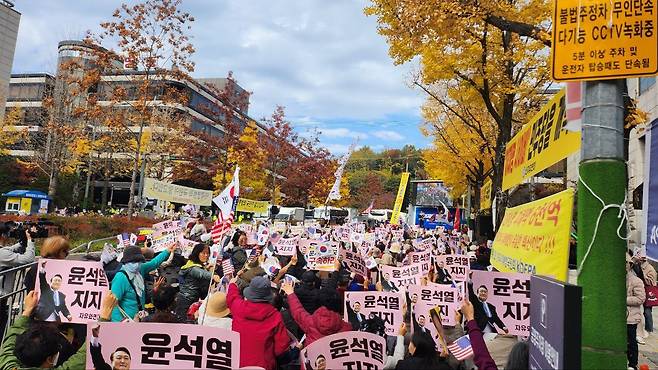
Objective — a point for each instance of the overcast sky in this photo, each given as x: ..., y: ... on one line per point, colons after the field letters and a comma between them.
x: 322, y: 60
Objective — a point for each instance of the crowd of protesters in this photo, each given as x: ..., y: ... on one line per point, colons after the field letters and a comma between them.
x: 279, y: 313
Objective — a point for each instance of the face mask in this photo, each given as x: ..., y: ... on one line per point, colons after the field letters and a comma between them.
x: 132, y: 267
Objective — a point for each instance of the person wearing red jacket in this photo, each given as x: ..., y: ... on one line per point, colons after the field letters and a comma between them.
x: 321, y: 323
x: 263, y: 335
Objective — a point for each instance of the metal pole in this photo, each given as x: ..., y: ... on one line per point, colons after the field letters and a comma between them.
x: 601, y: 259
x: 142, y: 173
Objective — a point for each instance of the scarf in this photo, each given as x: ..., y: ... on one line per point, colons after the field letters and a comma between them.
x: 135, y: 275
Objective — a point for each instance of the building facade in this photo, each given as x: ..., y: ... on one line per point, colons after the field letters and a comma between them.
x: 9, y: 21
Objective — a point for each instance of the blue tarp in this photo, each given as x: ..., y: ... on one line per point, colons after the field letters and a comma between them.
x: 34, y: 194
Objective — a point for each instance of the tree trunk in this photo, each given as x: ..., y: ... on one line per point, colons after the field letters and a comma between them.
x: 106, y: 184
x: 133, y: 177
x: 52, y: 184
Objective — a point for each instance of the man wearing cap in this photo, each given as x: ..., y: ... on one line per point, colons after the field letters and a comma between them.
x: 263, y: 336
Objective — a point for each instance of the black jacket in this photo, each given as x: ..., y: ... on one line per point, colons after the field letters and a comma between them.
x: 308, y: 296
x: 97, y: 358
x: 46, y: 305
x: 416, y: 363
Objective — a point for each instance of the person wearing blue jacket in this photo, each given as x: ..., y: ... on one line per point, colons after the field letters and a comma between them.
x: 128, y: 283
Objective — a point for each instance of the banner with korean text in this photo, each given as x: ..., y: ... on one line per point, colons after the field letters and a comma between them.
x: 509, y: 292
x: 162, y: 346
x: 254, y: 206
x: 69, y: 291
x: 386, y: 305
x: 347, y: 350
x: 534, y: 237
x: 320, y: 255
x: 399, y: 278
x: 541, y: 143
x: 161, y: 190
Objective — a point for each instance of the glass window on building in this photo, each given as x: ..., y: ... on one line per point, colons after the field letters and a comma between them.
x: 646, y: 83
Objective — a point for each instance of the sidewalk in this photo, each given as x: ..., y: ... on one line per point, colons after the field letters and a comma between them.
x: 649, y: 351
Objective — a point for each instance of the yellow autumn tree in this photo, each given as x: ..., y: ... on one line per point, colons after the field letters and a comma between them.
x: 251, y: 158
x: 495, y: 50
x: 10, y: 134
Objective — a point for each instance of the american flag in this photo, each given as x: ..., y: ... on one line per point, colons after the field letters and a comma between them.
x: 253, y: 255
x: 227, y: 267
x: 124, y: 240
x: 461, y: 348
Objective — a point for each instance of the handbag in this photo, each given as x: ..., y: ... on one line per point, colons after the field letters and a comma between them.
x: 652, y: 296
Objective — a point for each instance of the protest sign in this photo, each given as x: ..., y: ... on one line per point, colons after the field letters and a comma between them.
x: 186, y: 245
x: 356, y: 238
x: 424, y: 298
x: 423, y: 258
x: 458, y: 266
x: 163, y: 242
x: 296, y: 230
x: 155, y: 189
x: 354, y: 263
x: 541, y: 143
x: 165, y: 228
x: 425, y: 244
x: 348, y: 350
x: 279, y: 227
x: 263, y: 235
x: 69, y: 290
x: 509, y: 292
x: 287, y: 246
x: 320, y: 255
x: 386, y: 305
x: 534, y: 237
x: 163, y: 346
x: 401, y: 277
x: 397, y: 235
x: 252, y: 206
x: 343, y: 233
x: 247, y: 228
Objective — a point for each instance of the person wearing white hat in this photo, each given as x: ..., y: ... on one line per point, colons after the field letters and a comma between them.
x: 216, y: 312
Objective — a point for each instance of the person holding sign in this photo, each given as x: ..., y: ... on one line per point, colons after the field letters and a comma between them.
x: 128, y: 284
x: 52, y: 302
x: 423, y: 354
x: 195, y: 279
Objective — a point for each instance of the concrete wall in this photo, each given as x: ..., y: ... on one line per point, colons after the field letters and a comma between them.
x: 9, y: 20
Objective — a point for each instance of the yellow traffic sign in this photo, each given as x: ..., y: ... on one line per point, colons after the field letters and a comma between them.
x: 604, y: 39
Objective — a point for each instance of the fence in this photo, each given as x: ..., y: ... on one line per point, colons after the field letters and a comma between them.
x: 12, y: 297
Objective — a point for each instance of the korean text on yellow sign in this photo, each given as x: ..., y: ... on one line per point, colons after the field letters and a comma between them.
x: 255, y: 206
x: 485, y: 195
x: 534, y: 238
x: 599, y: 39
x: 395, y: 215
x: 541, y: 143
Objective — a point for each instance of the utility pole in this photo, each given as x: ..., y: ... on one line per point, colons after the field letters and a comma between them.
x: 601, y: 267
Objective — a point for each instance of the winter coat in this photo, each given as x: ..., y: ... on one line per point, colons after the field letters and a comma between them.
x: 649, y: 274
x: 308, y: 296
x: 417, y: 363
x: 124, y: 292
x: 635, y: 296
x: 194, y: 281
x: 320, y: 324
x: 9, y: 257
x: 263, y: 335
x: 9, y: 361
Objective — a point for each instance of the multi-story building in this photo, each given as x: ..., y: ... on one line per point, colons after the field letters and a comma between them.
x: 204, y: 107
x: 9, y: 20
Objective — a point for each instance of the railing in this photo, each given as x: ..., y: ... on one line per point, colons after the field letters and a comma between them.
x: 13, y: 301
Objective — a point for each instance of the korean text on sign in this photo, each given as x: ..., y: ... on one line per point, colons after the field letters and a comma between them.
x: 386, y: 305
x: 166, y: 346
x: 510, y: 293
x: 70, y: 291
x: 598, y: 39
x: 348, y: 350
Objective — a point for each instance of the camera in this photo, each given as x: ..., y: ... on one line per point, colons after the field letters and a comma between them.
x: 16, y: 230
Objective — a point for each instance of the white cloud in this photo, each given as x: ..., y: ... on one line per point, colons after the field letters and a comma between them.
x: 340, y: 149
x: 341, y: 132
x: 388, y: 135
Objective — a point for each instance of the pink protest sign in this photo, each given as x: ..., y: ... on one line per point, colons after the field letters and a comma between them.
x: 70, y: 291
x: 161, y: 346
x: 287, y: 246
x: 423, y: 258
x: 509, y: 293
x: 425, y: 244
x: 163, y: 242
x: 354, y: 263
x: 423, y: 298
x: 347, y: 350
x: 320, y: 255
x: 186, y: 245
x: 386, y: 305
x: 457, y: 265
x: 401, y: 277
x: 166, y: 227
